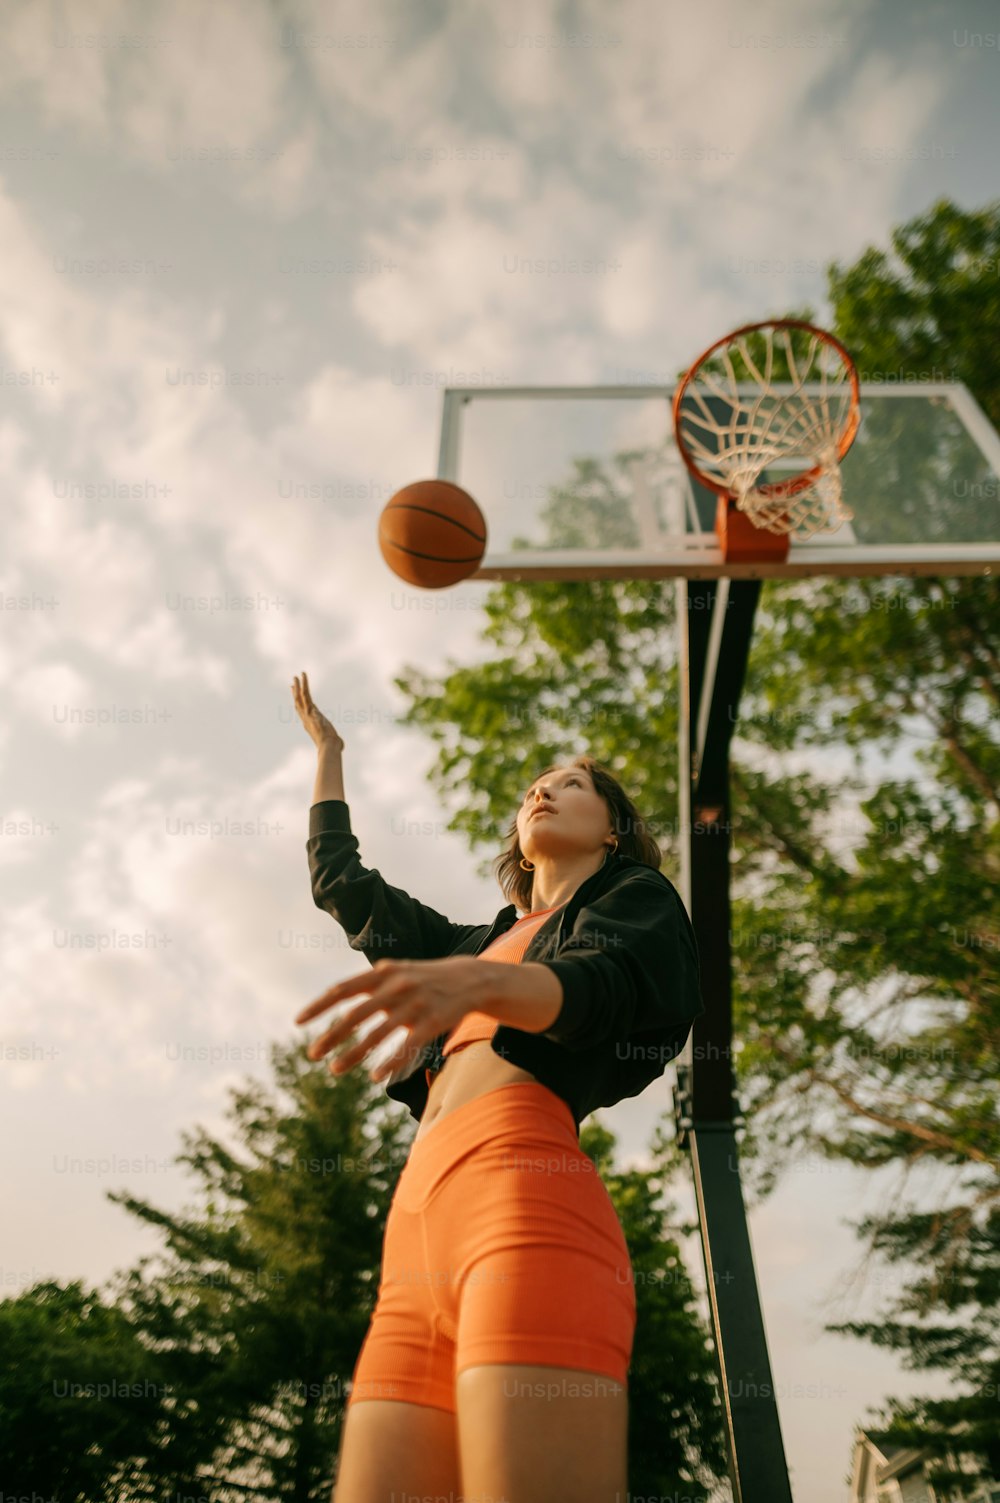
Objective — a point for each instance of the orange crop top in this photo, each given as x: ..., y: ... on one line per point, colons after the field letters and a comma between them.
x: 508, y: 947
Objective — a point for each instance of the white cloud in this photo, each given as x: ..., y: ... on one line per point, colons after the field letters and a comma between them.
x: 537, y: 64
x: 71, y: 82
x: 629, y: 302
x: 186, y: 80
x: 501, y: 298
x: 50, y: 692
x: 368, y: 64
x: 20, y: 837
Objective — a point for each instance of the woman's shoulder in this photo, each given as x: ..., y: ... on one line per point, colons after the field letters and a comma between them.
x: 628, y: 870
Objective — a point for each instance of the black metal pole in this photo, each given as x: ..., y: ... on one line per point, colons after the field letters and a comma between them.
x: 715, y: 626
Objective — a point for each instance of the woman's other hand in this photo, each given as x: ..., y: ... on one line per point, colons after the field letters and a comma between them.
x: 427, y: 997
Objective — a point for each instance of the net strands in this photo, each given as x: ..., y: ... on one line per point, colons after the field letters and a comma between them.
x: 819, y: 507
x: 770, y: 426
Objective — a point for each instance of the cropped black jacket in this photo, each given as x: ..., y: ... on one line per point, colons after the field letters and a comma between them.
x: 623, y: 948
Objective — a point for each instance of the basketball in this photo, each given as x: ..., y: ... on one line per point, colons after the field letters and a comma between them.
x: 432, y: 534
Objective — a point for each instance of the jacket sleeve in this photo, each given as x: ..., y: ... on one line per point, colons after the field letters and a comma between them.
x: 381, y: 921
x: 630, y: 965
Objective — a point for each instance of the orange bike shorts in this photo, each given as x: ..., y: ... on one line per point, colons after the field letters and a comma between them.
x: 501, y: 1245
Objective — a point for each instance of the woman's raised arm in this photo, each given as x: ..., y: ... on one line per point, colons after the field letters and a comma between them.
x: 380, y: 920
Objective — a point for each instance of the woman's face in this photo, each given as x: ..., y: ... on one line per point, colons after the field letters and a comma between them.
x: 577, y: 821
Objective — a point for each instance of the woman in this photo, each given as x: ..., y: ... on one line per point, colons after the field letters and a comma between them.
x: 496, y: 1361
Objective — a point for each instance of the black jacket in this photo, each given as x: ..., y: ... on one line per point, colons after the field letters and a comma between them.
x: 623, y: 948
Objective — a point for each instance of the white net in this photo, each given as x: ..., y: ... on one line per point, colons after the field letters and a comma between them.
x: 733, y: 434
x: 817, y: 507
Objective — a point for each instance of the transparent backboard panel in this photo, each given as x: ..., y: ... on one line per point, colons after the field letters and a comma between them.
x: 589, y: 481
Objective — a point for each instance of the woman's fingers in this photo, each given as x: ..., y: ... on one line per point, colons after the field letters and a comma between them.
x: 348, y: 1058
x: 368, y: 981
x: 341, y: 1030
x: 373, y: 982
x: 314, y: 721
x: 401, y: 1055
x: 392, y: 991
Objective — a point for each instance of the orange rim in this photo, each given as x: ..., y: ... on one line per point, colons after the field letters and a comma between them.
x: 776, y: 488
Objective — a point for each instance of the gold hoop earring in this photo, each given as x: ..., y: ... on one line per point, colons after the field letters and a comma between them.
x: 526, y: 865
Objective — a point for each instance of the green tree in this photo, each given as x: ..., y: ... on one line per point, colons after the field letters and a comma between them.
x: 961, y: 1289
x: 80, y: 1396
x: 866, y: 1001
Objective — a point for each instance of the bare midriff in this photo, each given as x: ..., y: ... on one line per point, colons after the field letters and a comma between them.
x: 471, y: 1065
x: 470, y: 1072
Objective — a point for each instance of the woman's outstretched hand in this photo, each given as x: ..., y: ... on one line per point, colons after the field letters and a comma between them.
x: 322, y: 731
x: 427, y: 997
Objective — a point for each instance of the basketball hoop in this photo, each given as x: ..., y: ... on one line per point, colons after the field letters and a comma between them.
x: 733, y: 421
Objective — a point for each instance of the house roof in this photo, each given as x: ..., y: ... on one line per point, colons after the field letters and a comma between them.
x: 894, y: 1454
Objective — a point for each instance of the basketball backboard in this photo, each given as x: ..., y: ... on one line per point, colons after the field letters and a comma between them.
x: 586, y: 482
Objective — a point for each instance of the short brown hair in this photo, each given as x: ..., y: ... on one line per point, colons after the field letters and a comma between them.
x: 628, y: 824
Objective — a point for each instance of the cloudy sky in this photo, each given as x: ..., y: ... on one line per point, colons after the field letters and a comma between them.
x: 246, y: 246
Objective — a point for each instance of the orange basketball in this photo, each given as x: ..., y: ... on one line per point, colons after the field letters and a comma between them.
x: 432, y: 534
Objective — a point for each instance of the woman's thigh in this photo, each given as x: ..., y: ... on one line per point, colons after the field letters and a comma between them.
x: 392, y: 1449
x: 537, y: 1433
